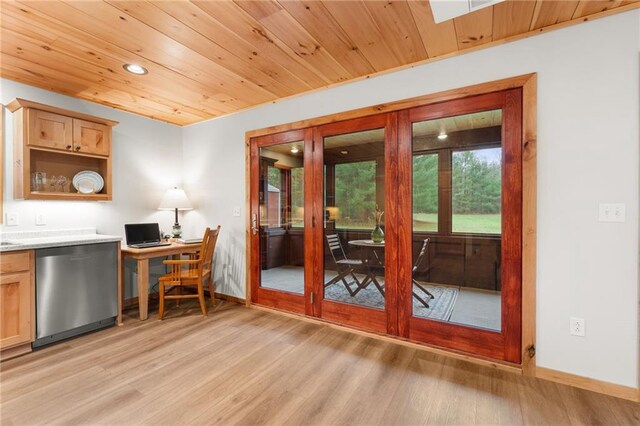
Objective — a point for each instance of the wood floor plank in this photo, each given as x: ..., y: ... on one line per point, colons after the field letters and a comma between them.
x: 248, y: 366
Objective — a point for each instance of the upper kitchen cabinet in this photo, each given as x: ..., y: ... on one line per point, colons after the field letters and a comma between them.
x: 53, y: 145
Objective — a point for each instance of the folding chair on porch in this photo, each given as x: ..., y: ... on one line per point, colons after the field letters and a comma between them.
x: 346, y: 267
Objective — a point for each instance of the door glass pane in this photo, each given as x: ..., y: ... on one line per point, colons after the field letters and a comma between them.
x: 425, y: 192
x: 457, y: 187
x: 281, y: 192
x: 476, y: 188
x: 354, y: 218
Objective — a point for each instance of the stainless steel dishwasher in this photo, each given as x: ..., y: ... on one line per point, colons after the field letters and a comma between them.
x: 76, y: 290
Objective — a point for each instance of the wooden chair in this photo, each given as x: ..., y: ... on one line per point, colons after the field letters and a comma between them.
x: 199, y: 269
x: 345, y: 267
x: 421, y: 257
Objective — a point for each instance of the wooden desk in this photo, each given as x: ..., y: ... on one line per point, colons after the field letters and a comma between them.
x: 142, y: 256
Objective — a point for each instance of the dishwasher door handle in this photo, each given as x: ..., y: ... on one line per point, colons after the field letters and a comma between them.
x: 78, y: 258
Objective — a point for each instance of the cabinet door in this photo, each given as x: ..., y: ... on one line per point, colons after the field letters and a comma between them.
x: 16, y: 300
x: 91, y: 138
x: 50, y: 130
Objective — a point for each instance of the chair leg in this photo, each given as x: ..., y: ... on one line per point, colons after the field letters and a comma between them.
x: 211, y: 292
x: 161, y: 305
x: 179, y: 293
x: 203, y: 303
x: 420, y: 299
x: 417, y: 284
x: 378, y: 286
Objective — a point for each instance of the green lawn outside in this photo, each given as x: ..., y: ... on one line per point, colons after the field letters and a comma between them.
x: 428, y: 222
x: 475, y: 223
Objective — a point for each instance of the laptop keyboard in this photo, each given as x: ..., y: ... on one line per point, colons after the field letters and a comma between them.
x: 147, y: 245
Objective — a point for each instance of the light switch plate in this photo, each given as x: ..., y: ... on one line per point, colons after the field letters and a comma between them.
x: 236, y: 211
x: 612, y: 212
x: 11, y: 219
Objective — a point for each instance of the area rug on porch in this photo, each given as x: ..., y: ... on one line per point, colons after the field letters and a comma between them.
x: 440, y: 307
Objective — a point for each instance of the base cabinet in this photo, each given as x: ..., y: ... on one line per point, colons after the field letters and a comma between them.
x: 17, y: 316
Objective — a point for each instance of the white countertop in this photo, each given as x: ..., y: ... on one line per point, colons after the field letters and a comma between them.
x: 55, y: 238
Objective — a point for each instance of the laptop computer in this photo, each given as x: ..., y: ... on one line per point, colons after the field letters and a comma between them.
x: 143, y: 235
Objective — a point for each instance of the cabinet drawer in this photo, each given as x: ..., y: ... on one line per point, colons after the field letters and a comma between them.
x: 15, y: 262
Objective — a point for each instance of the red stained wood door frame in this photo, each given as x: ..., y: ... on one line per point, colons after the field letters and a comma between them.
x: 397, y: 319
x: 286, y: 301
x: 362, y: 317
x: 506, y: 344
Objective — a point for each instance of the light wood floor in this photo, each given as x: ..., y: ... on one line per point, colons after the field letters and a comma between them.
x: 246, y: 366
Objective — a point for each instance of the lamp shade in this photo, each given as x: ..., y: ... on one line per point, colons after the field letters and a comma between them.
x: 175, y: 199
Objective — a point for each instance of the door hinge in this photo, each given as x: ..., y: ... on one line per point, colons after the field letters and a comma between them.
x: 531, y: 350
x: 313, y: 221
x: 313, y: 146
x: 313, y: 297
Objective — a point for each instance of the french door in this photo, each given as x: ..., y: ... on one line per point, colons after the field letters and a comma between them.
x: 405, y: 223
x: 354, y: 175
x: 280, y: 220
x: 460, y: 224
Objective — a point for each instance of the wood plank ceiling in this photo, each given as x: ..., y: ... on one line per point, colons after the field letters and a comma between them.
x: 210, y: 58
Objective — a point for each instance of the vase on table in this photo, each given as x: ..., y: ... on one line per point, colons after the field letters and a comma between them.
x: 377, y: 235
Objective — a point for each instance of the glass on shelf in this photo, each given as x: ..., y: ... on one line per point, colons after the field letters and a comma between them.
x: 38, y: 181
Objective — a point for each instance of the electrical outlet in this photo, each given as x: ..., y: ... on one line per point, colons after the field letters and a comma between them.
x: 41, y: 219
x: 612, y: 212
x: 576, y: 326
x: 11, y: 219
x: 236, y: 211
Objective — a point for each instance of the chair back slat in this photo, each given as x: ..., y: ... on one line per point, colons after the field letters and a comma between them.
x: 422, y: 256
x: 335, y: 247
x: 211, y: 237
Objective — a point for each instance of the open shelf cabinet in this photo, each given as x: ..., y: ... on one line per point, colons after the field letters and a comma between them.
x: 56, y: 144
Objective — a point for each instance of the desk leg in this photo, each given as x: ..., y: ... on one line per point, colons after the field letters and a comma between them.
x: 143, y: 288
x: 121, y: 277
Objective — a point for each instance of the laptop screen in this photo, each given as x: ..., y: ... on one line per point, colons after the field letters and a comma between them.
x: 137, y: 233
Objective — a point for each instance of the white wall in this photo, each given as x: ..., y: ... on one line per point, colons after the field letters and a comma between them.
x: 588, y: 108
x: 147, y: 160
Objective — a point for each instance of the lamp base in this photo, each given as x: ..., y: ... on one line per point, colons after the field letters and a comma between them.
x: 176, y: 230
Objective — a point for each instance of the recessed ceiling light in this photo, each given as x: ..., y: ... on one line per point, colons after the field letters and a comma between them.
x: 294, y: 150
x: 135, y: 69
x: 442, y: 136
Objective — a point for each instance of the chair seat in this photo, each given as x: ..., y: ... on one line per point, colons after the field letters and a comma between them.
x: 349, y: 262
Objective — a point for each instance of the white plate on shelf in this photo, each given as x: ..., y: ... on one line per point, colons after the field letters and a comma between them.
x: 88, y: 182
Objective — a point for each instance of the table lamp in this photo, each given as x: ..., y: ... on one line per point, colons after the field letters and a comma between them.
x: 175, y: 199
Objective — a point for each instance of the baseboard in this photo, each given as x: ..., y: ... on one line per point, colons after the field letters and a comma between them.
x: 229, y: 298
x: 611, y: 389
x: 15, y: 351
x: 134, y: 300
